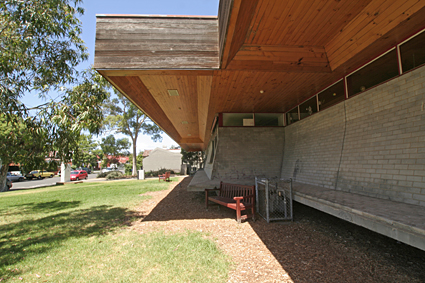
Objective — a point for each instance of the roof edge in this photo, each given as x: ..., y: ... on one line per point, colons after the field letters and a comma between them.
x: 157, y: 16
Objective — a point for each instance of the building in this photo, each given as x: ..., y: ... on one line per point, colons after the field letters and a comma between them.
x: 160, y: 158
x: 328, y: 93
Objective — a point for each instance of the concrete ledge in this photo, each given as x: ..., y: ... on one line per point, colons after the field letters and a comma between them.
x: 400, y: 221
x: 200, y: 182
x: 68, y: 182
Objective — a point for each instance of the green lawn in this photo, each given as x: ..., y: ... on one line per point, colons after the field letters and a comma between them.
x: 78, y: 233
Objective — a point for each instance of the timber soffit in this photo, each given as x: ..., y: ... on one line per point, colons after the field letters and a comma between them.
x: 290, y: 49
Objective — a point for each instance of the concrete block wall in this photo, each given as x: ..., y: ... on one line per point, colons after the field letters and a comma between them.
x: 245, y: 152
x: 313, y: 148
x: 371, y: 144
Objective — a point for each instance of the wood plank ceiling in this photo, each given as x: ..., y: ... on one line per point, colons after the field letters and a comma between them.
x: 288, y: 50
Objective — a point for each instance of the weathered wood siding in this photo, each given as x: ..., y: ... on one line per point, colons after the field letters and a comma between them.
x: 223, y: 21
x: 137, y: 42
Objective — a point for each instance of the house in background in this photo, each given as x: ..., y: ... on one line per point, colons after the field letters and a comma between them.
x: 160, y: 158
x: 328, y: 93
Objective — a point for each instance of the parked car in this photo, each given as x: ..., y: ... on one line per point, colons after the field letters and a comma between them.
x: 39, y: 174
x: 8, y: 184
x: 88, y: 170
x: 78, y: 175
x: 109, y: 169
x: 15, y: 177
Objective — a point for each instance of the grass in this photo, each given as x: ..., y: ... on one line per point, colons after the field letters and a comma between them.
x: 78, y: 232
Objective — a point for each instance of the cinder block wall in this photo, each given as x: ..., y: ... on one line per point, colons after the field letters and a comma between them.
x: 245, y: 152
x: 372, y: 144
x: 313, y: 148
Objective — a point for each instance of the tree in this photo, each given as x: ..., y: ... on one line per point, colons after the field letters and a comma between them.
x: 115, y: 147
x: 124, y: 117
x: 112, y: 148
x: 139, y: 159
x: 40, y: 48
x: 86, y: 152
x: 190, y: 157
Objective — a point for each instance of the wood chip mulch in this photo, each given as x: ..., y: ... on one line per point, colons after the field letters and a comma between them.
x: 315, y: 247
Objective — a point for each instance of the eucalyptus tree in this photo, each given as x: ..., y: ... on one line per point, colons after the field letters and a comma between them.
x: 124, y: 117
x: 40, y: 48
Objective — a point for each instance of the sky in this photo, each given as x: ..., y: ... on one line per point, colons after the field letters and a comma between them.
x: 144, y: 7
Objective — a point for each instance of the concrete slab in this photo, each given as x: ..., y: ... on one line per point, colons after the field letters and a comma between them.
x: 200, y: 182
x: 400, y: 221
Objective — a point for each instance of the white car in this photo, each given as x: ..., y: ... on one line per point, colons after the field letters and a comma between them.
x: 108, y: 169
x: 15, y: 177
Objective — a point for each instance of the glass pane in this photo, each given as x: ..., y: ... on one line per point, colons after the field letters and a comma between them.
x: 238, y: 119
x: 331, y: 95
x: 413, y: 52
x: 268, y: 119
x: 309, y: 107
x: 380, y: 70
x: 292, y: 116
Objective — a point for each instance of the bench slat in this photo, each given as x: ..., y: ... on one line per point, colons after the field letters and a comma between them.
x: 245, y: 198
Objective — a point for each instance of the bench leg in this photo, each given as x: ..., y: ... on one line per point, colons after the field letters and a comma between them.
x: 206, y: 200
x: 238, y: 214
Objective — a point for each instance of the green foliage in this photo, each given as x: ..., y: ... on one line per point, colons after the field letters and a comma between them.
x: 23, y: 141
x: 114, y: 147
x: 106, y: 174
x: 128, y: 168
x: 103, y: 174
x: 114, y: 175
x: 190, y: 157
x: 139, y: 161
x: 86, y: 152
x: 40, y: 47
x: 124, y: 117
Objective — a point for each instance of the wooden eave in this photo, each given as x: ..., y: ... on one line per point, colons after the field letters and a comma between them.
x: 288, y: 50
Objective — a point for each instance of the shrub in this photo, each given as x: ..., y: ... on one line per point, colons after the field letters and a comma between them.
x: 104, y: 174
x: 128, y: 168
x: 114, y: 175
x: 156, y: 173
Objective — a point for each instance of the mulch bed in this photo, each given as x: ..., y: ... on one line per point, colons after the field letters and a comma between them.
x: 315, y: 247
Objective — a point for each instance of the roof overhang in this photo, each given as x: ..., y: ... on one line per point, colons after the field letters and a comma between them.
x: 256, y: 56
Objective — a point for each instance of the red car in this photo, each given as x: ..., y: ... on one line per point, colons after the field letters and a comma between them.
x: 78, y: 175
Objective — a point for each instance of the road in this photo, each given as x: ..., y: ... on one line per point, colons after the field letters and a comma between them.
x: 30, y: 184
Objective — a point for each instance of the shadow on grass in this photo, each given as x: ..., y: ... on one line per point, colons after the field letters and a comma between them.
x: 33, y: 237
x: 181, y: 204
x: 316, y: 247
x: 41, y: 207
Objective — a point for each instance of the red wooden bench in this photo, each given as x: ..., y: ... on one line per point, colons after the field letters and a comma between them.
x: 165, y: 177
x: 237, y: 197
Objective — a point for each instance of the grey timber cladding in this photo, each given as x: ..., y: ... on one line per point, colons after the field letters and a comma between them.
x: 223, y: 18
x: 156, y: 43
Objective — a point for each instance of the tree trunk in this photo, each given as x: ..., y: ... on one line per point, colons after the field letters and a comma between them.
x: 134, y: 158
x: 3, y: 176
